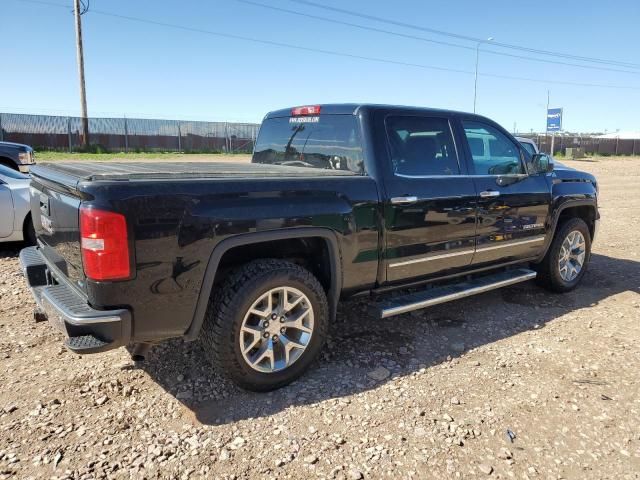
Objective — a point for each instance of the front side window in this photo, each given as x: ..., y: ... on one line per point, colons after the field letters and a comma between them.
x: 493, y: 152
x: 421, y: 146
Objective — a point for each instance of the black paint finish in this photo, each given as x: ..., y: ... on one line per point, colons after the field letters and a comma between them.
x: 183, y: 219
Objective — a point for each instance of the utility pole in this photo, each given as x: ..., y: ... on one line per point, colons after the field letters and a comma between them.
x: 546, y: 123
x: 475, y: 80
x: 77, y: 12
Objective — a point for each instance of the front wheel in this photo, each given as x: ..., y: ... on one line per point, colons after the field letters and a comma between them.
x: 566, y: 261
x: 266, y: 324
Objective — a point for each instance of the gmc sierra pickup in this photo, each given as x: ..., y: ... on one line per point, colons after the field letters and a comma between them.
x: 339, y: 200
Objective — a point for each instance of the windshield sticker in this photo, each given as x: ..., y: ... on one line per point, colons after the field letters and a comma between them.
x: 304, y: 119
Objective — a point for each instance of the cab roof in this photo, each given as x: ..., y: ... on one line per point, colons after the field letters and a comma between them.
x: 353, y: 108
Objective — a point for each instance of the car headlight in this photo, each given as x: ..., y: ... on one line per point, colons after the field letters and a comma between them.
x: 25, y: 157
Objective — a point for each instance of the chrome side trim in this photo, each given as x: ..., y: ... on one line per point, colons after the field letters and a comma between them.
x: 405, y: 200
x: 390, y: 312
x: 432, y: 257
x: 435, y: 177
x: 516, y: 243
x: 537, y: 239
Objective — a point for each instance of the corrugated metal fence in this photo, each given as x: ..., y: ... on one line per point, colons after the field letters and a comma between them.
x: 591, y: 145
x: 48, y: 132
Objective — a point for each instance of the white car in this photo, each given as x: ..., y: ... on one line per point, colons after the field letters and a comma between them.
x: 15, y: 207
x: 529, y: 145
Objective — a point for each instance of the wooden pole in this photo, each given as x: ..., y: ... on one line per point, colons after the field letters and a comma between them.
x: 80, y: 60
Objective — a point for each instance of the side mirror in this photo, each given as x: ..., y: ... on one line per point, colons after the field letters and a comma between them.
x: 541, y: 163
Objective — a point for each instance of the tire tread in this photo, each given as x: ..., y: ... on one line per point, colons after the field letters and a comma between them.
x: 217, y: 335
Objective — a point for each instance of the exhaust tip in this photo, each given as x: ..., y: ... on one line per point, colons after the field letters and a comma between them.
x: 40, y: 315
x: 139, y: 352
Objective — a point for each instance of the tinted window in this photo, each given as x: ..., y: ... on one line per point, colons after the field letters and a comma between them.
x: 11, y: 173
x: 498, y: 154
x: 421, y: 146
x: 323, y: 141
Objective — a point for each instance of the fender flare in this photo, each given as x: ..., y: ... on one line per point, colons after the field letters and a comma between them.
x: 556, y: 216
x: 227, y: 244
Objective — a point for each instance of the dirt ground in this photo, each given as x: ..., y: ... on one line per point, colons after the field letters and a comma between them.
x: 515, y: 383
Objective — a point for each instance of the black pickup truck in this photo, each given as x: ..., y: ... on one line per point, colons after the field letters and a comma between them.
x: 339, y: 200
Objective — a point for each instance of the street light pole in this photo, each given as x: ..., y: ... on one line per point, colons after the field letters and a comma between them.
x: 475, y: 81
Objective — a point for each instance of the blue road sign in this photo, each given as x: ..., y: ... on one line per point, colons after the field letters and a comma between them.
x: 554, y: 119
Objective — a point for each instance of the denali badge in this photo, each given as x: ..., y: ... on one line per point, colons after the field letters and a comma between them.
x: 533, y: 225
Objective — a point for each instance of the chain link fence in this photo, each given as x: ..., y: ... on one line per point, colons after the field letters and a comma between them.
x: 591, y: 145
x: 49, y: 132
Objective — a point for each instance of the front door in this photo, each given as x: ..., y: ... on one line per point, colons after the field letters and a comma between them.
x: 513, y: 206
x: 430, y: 209
x: 6, y: 207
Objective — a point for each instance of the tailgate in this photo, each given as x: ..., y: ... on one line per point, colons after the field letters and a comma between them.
x: 55, y: 204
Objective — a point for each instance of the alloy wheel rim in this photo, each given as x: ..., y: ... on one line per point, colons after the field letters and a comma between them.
x: 572, y: 255
x: 276, y: 330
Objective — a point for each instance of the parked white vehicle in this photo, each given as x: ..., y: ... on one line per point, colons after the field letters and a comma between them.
x: 15, y: 207
x: 529, y: 145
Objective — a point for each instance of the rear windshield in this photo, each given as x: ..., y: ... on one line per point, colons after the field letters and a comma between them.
x: 324, y: 141
x: 11, y: 173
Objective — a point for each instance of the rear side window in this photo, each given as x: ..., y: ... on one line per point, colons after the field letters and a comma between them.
x: 421, y: 146
x: 492, y: 151
x: 323, y: 141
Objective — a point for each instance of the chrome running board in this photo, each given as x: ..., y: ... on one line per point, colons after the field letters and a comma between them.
x: 437, y: 295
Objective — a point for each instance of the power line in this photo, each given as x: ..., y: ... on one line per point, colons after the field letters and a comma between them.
x: 466, y: 37
x: 335, y: 53
x: 429, y: 40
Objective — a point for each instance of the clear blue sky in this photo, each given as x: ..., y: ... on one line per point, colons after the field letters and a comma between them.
x: 142, y: 69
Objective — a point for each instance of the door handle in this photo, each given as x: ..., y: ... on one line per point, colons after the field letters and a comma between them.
x: 489, y: 194
x: 403, y: 200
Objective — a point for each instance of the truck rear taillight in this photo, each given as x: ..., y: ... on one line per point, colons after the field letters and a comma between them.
x: 104, y: 243
x: 307, y: 110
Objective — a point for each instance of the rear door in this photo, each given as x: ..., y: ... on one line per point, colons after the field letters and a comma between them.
x: 513, y: 206
x: 430, y: 204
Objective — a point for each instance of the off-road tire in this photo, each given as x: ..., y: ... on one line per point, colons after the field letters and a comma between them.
x: 231, y: 300
x: 548, y: 269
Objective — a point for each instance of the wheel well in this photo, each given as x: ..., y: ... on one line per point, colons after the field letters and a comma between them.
x: 8, y: 162
x: 27, y: 218
x: 311, y: 253
x: 585, y: 212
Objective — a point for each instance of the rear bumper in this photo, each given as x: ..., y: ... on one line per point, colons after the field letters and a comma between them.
x: 88, y: 330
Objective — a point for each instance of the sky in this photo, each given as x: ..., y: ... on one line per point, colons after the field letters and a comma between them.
x: 152, y: 69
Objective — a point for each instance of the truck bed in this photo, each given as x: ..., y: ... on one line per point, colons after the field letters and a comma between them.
x: 109, y: 171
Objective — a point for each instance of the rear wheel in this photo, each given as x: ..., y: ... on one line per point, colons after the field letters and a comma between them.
x: 266, y: 324
x: 566, y: 261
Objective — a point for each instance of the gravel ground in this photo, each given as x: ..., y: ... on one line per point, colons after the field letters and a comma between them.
x: 515, y: 383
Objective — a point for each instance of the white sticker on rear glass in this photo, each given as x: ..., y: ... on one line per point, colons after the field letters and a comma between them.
x: 304, y: 119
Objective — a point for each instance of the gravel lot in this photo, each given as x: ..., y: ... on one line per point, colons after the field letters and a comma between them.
x: 516, y: 383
